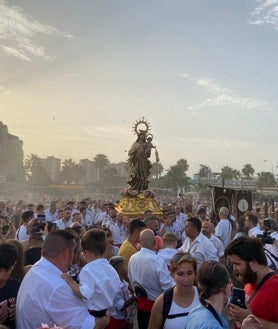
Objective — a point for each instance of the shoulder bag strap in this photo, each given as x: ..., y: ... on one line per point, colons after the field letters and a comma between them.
x: 214, y: 313
x: 260, y: 284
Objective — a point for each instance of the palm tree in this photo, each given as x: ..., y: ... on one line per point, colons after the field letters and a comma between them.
x: 265, y: 179
x: 71, y: 171
x: 31, y: 165
x: 101, y: 161
x: 156, y: 170
x: 204, y: 171
x: 228, y: 172
x: 36, y: 174
x: 248, y: 171
x: 176, y: 175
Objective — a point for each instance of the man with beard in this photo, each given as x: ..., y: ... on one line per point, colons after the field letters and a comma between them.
x: 248, y: 259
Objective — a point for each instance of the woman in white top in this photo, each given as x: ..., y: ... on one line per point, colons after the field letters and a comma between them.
x: 171, y: 308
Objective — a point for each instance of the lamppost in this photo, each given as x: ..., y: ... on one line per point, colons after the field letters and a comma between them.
x: 271, y: 166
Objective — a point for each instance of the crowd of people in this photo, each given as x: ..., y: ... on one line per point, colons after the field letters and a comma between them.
x: 85, y: 265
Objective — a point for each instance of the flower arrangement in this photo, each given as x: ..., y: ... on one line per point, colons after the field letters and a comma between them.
x: 133, y: 193
x: 128, y: 192
x: 149, y: 194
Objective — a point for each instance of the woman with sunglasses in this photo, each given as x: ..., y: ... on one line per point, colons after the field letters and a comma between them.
x: 172, y: 307
x: 214, y: 285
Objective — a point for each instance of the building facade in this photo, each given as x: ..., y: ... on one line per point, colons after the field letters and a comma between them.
x: 11, y: 156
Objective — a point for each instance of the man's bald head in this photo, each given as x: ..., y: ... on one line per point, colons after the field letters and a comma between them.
x: 147, y: 238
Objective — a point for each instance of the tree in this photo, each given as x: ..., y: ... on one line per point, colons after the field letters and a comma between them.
x: 204, y: 171
x: 265, y: 179
x: 71, y: 172
x: 229, y: 173
x: 156, y: 170
x: 101, y: 161
x: 176, y: 175
x: 111, y: 178
x: 36, y: 174
x: 248, y: 171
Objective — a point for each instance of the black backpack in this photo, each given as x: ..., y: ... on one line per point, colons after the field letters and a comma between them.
x: 167, y: 302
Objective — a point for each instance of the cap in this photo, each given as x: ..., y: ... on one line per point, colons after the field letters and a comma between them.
x: 115, y: 260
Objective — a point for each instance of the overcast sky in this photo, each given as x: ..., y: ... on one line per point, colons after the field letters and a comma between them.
x: 75, y: 75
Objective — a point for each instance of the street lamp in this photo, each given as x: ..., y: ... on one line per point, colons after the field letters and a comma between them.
x: 271, y: 166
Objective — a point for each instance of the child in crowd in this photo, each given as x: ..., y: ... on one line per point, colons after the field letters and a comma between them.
x: 99, y: 282
x: 123, y: 309
x: 170, y: 242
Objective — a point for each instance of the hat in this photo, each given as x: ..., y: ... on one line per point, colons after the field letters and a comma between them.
x: 116, y: 260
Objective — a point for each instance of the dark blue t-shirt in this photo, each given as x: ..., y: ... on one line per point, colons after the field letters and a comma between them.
x: 9, y: 293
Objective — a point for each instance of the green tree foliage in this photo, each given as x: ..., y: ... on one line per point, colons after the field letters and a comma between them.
x: 229, y: 173
x: 156, y: 170
x: 176, y: 176
x: 265, y: 179
x: 248, y: 171
x: 110, y: 178
x: 101, y: 161
x: 36, y: 174
x: 204, y: 171
x: 71, y: 172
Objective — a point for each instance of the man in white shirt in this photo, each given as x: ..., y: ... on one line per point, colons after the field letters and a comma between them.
x: 223, y: 230
x: 207, y: 231
x: 118, y: 230
x: 199, y: 246
x: 44, y: 297
x: 51, y: 213
x: 110, y: 219
x: 101, y: 215
x: 149, y: 271
x: 180, y: 217
x: 252, y: 223
x: 65, y: 221
x: 170, y: 242
x: 270, y: 240
x: 23, y: 230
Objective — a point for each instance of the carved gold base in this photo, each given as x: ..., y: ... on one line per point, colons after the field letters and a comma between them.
x: 135, y: 206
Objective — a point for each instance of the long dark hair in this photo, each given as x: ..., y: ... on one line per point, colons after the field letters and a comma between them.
x: 212, y: 278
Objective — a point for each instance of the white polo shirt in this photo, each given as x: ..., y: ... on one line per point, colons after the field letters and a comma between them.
x: 201, y: 249
x: 44, y: 297
x: 150, y: 271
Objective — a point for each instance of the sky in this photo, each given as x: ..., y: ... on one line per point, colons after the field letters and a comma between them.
x: 76, y: 75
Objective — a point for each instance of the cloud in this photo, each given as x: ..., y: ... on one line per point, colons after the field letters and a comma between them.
x: 15, y: 52
x: 5, y: 91
x: 70, y: 75
x: 105, y: 131
x: 266, y: 13
x: 221, y: 96
x: 20, y: 31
